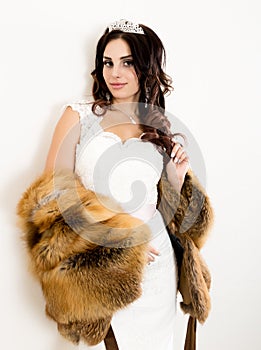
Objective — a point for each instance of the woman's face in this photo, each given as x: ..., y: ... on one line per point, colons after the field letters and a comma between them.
x: 119, y: 73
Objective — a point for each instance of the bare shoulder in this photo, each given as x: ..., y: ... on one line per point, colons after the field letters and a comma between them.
x: 68, y: 119
x: 66, y: 135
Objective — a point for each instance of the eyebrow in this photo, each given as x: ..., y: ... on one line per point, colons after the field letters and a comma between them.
x: 122, y: 58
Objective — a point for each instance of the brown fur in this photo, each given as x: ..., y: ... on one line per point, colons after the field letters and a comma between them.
x: 90, y: 258
x: 189, y: 216
x: 83, y: 282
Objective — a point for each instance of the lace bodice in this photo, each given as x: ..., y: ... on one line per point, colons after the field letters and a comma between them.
x: 127, y: 171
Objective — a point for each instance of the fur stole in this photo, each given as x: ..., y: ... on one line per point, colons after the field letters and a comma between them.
x: 88, y: 257
x: 189, y: 216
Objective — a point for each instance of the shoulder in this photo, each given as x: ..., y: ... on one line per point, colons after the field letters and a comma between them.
x: 80, y: 109
x: 67, y: 121
x: 73, y: 113
x: 69, y: 117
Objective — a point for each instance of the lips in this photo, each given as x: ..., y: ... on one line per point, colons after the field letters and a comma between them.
x: 117, y: 85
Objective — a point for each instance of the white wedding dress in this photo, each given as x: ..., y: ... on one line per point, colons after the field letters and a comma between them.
x: 129, y: 172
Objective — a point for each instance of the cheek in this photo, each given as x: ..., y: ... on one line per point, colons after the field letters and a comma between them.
x: 134, y: 78
x: 105, y: 74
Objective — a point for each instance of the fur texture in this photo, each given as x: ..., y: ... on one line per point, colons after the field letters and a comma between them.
x: 83, y: 282
x: 90, y: 258
x: 189, y: 215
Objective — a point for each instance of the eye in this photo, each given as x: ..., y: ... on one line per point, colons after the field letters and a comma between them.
x: 107, y: 63
x: 128, y: 63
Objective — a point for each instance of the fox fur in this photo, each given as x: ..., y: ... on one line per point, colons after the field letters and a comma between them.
x: 189, y: 216
x: 89, y: 256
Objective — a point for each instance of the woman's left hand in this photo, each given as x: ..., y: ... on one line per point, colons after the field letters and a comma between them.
x: 178, y: 166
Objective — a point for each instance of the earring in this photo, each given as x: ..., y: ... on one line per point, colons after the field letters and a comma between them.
x: 108, y: 96
x: 147, y: 96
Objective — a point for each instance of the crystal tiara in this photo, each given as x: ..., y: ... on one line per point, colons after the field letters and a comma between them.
x: 126, y: 26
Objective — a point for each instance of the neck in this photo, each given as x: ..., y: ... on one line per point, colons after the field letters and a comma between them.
x: 130, y: 108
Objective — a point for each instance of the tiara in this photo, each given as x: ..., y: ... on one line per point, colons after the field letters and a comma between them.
x: 126, y: 26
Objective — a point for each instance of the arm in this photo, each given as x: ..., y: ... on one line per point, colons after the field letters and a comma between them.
x: 61, y: 153
x: 188, y: 215
x: 177, y: 167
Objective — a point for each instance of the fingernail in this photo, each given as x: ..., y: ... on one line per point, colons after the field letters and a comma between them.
x: 176, y: 160
x: 172, y: 155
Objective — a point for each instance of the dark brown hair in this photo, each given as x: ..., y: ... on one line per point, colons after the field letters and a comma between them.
x: 149, y: 60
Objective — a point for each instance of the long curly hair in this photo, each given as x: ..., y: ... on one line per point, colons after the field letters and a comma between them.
x: 149, y: 58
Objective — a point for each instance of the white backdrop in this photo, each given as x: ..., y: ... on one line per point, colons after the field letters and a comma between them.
x: 213, y: 55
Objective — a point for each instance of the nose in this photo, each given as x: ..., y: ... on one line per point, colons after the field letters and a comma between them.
x: 116, y: 71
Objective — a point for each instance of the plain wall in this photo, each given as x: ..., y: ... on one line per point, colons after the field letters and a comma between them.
x: 213, y: 55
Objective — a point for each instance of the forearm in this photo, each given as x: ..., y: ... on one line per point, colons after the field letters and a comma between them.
x: 177, y: 183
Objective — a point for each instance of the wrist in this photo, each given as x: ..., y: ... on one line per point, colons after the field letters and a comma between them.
x: 181, y: 181
x: 178, y: 183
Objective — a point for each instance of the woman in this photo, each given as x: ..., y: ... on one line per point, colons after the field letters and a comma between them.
x: 120, y: 147
x: 129, y: 80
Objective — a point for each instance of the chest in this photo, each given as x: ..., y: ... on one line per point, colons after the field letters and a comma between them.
x: 124, y: 130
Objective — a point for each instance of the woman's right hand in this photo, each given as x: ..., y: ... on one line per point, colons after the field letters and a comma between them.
x: 152, y: 254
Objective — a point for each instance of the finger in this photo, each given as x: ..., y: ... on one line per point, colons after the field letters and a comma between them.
x: 181, y: 154
x: 154, y: 251
x: 150, y: 258
x: 175, y: 149
x: 182, y: 159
